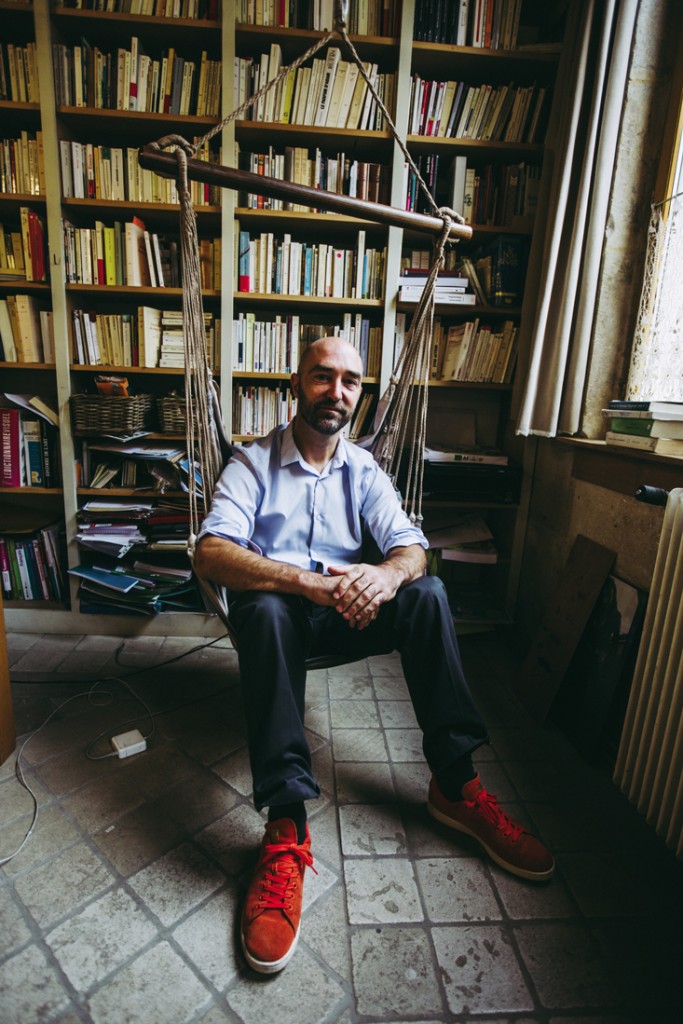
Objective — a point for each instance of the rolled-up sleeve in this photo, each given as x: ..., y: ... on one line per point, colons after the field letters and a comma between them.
x: 234, y: 504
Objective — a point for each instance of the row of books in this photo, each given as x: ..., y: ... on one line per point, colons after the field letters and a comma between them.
x: 263, y: 346
x: 19, y: 73
x: 112, y: 173
x: 26, y: 330
x: 136, y: 339
x: 339, y: 173
x: 130, y: 255
x: 330, y: 93
x: 473, y: 351
x: 86, y: 76
x: 490, y: 24
x: 22, y: 250
x: 449, y: 288
x: 32, y: 566
x: 270, y: 265
x: 644, y: 425
x: 29, y: 450
x: 364, y: 18
x: 258, y: 408
x: 498, y: 194
x: 22, y: 165
x: 197, y: 10
x: 459, y: 110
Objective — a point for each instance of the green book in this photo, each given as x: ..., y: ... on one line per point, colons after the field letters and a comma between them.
x: 624, y: 425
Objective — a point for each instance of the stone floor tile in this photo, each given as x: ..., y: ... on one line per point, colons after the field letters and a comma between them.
x: 234, y: 839
x: 323, y: 767
x: 390, y: 687
x: 14, y: 932
x: 353, y: 714
x: 358, y: 745
x: 139, y: 837
x: 565, y: 965
x: 216, y: 1015
x: 158, y: 986
x: 412, y: 782
x: 93, y: 943
x: 369, y: 830
x: 456, y: 890
x: 71, y: 769
x: 99, y: 804
x: 394, y: 974
x: 63, y: 884
x: 303, y: 992
x: 601, y: 886
x: 397, y: 714
x: 429, y: 838
x: 324, y: 930
x: 381, y: 891
x: 176, y: 883
x: 53, y: 832
x: 364, y: 783
x: 30, y: 988
x: 318, y: 720
x: 162, y: 767
x: 197, y: 800
x: 404, y: 744
x: 208, y: 937
x: 357, y: 687
x: 317, y: 884
x: 325, y: 840
x: 235, y: 770
x: 15, y: 799
x: 529, y: 900
x: 480, y: 970
x: 385, y: 665
x: 46, y: 654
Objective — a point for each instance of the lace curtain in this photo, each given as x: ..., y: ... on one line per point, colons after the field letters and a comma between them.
x: 657, y: 357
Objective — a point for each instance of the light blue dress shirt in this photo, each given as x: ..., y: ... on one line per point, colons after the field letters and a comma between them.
x: 270, y: 500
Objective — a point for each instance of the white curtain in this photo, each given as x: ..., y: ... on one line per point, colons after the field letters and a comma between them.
x: 564, y: 262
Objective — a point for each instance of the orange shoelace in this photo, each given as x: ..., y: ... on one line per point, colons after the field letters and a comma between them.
x: 285, y: 862
x: 488, y: 805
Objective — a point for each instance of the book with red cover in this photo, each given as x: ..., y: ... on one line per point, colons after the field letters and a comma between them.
x: 10, y: 448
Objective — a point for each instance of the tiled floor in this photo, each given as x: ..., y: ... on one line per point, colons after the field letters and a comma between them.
x: 122, y: 905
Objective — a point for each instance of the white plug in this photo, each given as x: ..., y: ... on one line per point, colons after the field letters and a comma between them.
x: 128, y: 743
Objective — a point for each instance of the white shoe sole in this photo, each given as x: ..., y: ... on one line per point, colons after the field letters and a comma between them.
x: 270, y: 966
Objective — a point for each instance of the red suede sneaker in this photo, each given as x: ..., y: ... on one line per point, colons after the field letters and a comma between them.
x: 271, y: 917
x: 479, y: 815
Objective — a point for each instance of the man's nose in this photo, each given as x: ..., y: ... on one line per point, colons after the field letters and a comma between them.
x: 335, y: 388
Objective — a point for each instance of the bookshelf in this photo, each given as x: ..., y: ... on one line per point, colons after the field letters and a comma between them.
x: 98, y: 129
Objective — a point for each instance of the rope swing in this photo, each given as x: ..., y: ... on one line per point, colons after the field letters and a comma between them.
x: 399, y: 426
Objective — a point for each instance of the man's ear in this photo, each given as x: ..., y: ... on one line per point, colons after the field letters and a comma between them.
x: 294, y: 383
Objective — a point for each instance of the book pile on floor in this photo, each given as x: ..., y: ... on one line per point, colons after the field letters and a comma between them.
x: 649, y: 426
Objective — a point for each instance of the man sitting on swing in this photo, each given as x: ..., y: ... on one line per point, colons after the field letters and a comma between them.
x: 285, y: 535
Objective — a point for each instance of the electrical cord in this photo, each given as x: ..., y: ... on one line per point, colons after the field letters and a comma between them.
x: 90, y: 693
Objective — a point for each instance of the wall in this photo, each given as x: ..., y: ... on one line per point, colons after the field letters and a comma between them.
x: 563, y: 504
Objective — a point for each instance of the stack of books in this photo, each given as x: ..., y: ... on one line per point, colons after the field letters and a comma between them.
x: 649, y: 426
x: 450, y: 288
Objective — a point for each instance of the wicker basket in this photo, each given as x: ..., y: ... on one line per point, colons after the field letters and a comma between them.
x: 97, y: 414
x: 172, y: 414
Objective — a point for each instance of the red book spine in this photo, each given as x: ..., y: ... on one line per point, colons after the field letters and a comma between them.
x: 10, y: 448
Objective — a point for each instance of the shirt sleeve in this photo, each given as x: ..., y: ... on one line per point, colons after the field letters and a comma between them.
x: 234, y: 504
x: 384, y: 517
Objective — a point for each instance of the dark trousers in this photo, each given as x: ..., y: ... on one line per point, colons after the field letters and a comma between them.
x: 276, y: 634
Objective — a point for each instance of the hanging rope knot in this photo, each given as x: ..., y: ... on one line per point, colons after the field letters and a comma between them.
x: 341, y: 15
x: 183, y: 150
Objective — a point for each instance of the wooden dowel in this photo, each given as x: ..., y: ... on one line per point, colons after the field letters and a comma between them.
x: 231, y: 177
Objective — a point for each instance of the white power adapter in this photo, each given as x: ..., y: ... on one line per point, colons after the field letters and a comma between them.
x: 128, y: 743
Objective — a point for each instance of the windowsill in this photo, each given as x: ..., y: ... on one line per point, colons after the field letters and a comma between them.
x: 622, y: 470
x: 601, y: 447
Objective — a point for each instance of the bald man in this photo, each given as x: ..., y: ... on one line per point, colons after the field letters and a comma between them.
x: 285, y: 536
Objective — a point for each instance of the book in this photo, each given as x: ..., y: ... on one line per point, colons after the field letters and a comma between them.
x: 663, y: 410
x: 659, y: 445
x: 479, y: 551
x: 11, y: 449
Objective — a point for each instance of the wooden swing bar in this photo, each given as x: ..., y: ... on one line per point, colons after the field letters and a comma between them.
x: 166, y: 164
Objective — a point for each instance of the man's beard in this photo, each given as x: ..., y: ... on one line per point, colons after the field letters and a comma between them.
x: 319, y: 416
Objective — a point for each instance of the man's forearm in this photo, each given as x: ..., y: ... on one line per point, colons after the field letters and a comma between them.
x: 227, y: 564
x: 409, y: 563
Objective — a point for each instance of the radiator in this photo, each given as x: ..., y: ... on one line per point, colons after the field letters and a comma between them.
x: 649, y: 765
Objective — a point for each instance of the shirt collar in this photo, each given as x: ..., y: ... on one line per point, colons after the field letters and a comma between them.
x: 289, y: 452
